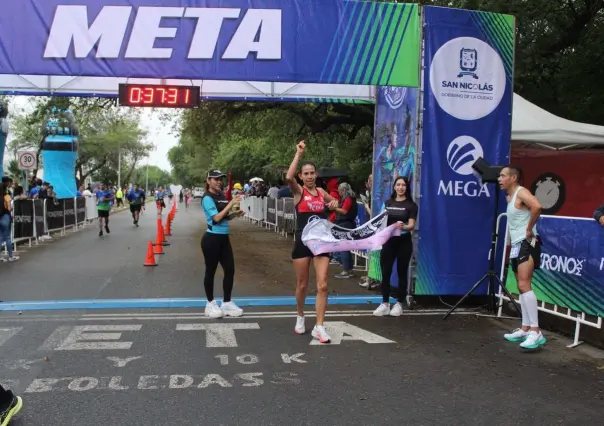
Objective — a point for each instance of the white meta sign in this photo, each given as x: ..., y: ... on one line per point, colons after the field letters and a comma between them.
x: 27, y: 160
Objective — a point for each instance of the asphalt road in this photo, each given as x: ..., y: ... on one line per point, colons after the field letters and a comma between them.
x: 174, y: 366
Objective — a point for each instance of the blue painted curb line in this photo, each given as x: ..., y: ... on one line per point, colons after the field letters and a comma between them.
x: 184, y: 302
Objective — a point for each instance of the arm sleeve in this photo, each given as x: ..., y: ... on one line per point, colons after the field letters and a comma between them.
x: 209, y: 207
x: 413, y: 212
x: 599, y: 213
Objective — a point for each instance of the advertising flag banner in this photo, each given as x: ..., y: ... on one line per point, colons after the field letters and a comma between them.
x: 571, y: 273
x: 394, y: 152
x: 300, y: 41
x: 467, y: 115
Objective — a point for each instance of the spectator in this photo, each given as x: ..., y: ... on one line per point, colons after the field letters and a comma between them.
x: 599, y: 215
x: 273, y: 192
x: 5, y: 222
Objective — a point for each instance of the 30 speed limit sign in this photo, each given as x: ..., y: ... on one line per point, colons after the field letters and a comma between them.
x: 27, y: 160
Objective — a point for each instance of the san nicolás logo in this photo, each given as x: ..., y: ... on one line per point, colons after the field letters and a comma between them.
x: 467, y: 78
x: 395, y: 96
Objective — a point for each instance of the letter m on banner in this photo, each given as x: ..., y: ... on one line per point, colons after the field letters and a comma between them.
x: 467, y: 115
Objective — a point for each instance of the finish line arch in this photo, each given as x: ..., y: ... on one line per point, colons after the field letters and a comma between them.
x: 441, y: 78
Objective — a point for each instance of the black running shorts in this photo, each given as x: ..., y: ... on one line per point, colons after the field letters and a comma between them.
x: 135, y: 207
x: 103, y: 213
x: 300, y: 251
x: 526, y: 251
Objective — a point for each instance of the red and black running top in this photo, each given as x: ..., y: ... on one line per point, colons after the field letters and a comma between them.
x: 309, y: 205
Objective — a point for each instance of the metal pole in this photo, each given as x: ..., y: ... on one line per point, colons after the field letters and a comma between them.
x: 119, y: 167
x: 147, y: 179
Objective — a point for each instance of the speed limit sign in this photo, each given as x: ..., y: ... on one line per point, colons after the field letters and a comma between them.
x: 27, y: 160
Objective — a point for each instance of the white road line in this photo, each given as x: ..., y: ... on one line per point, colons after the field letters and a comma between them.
x: 173, y: 317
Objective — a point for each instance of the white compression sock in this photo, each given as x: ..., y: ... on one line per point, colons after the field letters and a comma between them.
x: 531, y: 307
x: 525, y: 316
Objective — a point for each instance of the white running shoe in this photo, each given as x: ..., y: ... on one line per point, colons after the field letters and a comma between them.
x: 300, y: 326
x: 231, y: 310
x: 517, y: 335
x: 533, y: 341
x: 319, y: 333
x: 213, y: 310
x: 382, y: 310
x: 397, y: 310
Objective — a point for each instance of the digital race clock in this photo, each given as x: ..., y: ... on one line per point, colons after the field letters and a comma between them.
x: 159, y: 96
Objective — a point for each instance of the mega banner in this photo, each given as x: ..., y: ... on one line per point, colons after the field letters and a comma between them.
x: 340, y: 41
x: 566, y: 183
x: 572, y: 265
x: 467, y: 115
x: 394, y: 151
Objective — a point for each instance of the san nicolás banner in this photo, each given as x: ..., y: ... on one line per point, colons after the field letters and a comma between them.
x: 467, y: 115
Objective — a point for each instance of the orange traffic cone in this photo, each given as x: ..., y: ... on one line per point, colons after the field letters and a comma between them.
x: 158, y: 247
x: 150, y: 259
x: 161, y: 236
x: 168, y: 230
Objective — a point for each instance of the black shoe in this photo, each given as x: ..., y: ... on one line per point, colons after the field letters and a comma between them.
x: 107, y: 230
x: 100, y: 233
x: 9, y: 412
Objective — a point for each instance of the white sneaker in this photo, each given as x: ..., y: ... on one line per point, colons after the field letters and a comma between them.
x: 300, y: 326
x: 533, y: 340
x: 517, y: 335
x: 231, y: 310
x: 213, y: 310
x: 319, y: 333
x: 397, y: 310
x: 382, y: 310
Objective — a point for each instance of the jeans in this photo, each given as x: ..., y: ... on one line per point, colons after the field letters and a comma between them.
x: 346, y: 260
x: 5, y: 234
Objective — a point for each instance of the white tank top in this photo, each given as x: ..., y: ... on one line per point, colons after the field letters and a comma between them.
x: 518, y: 220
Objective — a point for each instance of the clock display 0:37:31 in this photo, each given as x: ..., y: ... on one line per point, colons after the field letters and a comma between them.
x: 159, y: 95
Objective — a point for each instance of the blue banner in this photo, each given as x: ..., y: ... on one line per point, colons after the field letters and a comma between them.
x: 394, y: 148
x: 340, y: 41
x: 467, y: 115
x: 572, y: 265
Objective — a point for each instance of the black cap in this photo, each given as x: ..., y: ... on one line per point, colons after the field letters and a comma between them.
x: 215, y: 174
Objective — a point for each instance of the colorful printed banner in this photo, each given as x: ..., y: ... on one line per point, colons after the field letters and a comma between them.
x: 572, y: 265
x: 394, y: 151
x: 302, y: 41
x: 467, y: 115
x: 322, y: 236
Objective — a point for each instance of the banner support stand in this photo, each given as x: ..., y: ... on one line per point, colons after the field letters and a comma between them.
x: 491, y: 275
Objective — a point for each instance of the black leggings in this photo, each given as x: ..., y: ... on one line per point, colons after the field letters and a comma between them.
x: 399, y: 249
x: 217, y: 249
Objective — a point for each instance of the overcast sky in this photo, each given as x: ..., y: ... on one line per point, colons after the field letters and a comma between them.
x: 158, y: 134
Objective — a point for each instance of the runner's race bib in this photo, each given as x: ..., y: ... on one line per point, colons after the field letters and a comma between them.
x: 515, y: 251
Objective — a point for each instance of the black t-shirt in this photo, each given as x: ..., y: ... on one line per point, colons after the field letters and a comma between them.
x: 400, y: 211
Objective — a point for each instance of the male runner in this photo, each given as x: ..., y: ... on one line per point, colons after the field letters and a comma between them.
x: 159, y: 199
x: 104, y: 198
x: 523, y: 212
x: 136, y: 198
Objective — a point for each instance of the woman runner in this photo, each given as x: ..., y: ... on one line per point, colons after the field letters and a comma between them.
x: 402, y: 210
x: 216, y: 246
x: 310, y: 204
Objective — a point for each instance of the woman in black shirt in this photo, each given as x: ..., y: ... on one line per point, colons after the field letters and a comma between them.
x: 402, y: 210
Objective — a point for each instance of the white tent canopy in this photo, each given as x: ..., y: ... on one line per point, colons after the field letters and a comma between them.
x: 533, y: 125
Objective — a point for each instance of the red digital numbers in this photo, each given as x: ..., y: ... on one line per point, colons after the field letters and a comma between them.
x: 158, y: 96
